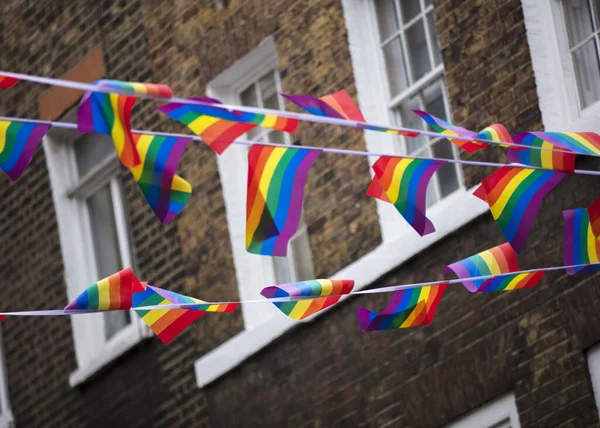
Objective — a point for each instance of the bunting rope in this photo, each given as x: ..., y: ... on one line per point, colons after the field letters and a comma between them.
x: 67, y: 125
x: 107, y: 89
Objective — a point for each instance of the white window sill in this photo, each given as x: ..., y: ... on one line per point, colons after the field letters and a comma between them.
x: 450, y: 214
x: 122, y: 342
x: 6, y: 420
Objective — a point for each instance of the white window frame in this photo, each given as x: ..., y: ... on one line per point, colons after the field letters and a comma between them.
x: 491, y: 414
x: 553, y: 68
x: 593, y: 358
x: 399, y: 243
x: 92, y: 350
x: 253, y: 272
x: 6, y: 416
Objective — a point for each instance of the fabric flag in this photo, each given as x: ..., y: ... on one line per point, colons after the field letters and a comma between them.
x: 7, y: 82
x: 580, y: 245
x: 110, y: 293
x: 412, y: 307
x: 111, y: 114
x: 276, y: 179
x: 219, y: 127
x: 166, y: 192
x: 547, y: 159
x: 497, y: 260
x: 300, y: 309
x: 514, y: 196
x: 449, y: 129
x: 18, y: 141
x: 403, y: 183
x: 339, y: 105
x: 587, y: 143
x: 168, y: 323
x: 593, y: 212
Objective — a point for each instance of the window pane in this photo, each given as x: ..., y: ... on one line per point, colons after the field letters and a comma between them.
x: 249, y: 98
x: 411, y: 120
x: 434, y: 101
x: 428, y: 3
x: 417, y: 50
x: 106, y: 249
x: 300, y: 246
x: 579, y: 20
x: 268, y: 89
x: 283, y: 273
x: 394, y: 64
x: 277, y: 137
x: 587, y: 68
x: 91, y: 149
x: 387, y: 18
x: 409, y: 9
x: 435, y: 43
x: 446, y: 175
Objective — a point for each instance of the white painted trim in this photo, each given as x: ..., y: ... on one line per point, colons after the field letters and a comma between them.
x: 452, y: 213
x: 593, y: 357
x: 91, y: 350
x: 553, y: 68
x: 491, y: 414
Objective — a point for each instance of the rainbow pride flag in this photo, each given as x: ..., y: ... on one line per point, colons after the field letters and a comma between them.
x: 512, y: 282
x: 110, y: 114
x: 339, y: 105
x: 580, y: 246
x: 451, y: 130
x: 18, y: 141
x: 593, y: 212
x: 276, y: 179
x: 412, y: 307
x: 166, y: 192
x: 168, y: 323
x: 300, y: 309
x: 108, y: 294
x: 547, y: 159
x: 219, y: 127
x: 496, y: 260
x: 7, y: 82
x: 578, y: 142
x: 514, y: 196
x: 403, y: 183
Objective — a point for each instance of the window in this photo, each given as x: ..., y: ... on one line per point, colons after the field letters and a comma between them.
x: 413, y: 63
x: 593, y: 356
x: 501, y: 413
x: 84, y: 172
x: 6, y: 418
x: 254, y: 81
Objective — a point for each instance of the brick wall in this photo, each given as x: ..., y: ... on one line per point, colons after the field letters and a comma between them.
x: 325, y: 373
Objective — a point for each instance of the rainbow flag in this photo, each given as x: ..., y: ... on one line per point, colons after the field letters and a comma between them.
x: 587, y: 143
x: 555, y: 160
x: 403, y: 183
x: 219, y: 127
x: 300, y: 309
x: 593, y: 212
x: 412, y: 307
x: 514, y: 196
x: 18, y: 141
x: 580, y: 245
x: 276, y: 179
x: 511, y: 282
x: 108, y: 294
x: 168, y: 323
x: 166, y: 192
x: 7, y: 82
x: 339, y: 105
x: 449, y: 129
x: 110, y: 114
x: 494, y: 261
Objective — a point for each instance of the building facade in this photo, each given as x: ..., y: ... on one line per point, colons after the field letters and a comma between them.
x: 520, y: 359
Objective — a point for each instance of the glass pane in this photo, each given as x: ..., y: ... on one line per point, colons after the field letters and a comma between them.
x: 277, y: 137
x: 411, y: 120
x: 283, y: 273
x: 579, y: 20
x: 248, y: 98
x: 303, y: 264
x: 587, y: 68
x: 394, y: 64
x: 91, y: 149
x: 387, y: 18
x: 435, y: 43
x: 446, y: 175
x: 434, y: 101
x: 268, y: 88
x: 428, y: 3
x: 106, y: 249
x: 409, y: 9
x: 417, y: 50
